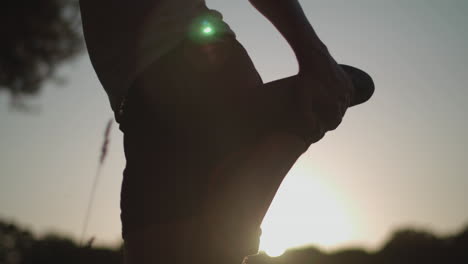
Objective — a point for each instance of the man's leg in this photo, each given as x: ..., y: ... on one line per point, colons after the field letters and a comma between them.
x: 248, y: 179
x: 179, y: 125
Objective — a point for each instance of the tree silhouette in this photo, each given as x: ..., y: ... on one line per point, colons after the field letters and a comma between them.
x: 36, y: 37
x: 19, y: 246
x: 406, y: 246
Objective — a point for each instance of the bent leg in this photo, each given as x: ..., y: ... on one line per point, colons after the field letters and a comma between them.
x: 280, y: 103
x: 249, y: 178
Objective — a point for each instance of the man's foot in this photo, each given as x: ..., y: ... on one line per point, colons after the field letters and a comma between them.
x: 362, y: 82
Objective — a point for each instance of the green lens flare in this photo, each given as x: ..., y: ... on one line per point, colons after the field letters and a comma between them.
x: 208, y: 30
x: 205, y: 30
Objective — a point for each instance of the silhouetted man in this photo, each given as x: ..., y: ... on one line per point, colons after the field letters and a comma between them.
x: 207, y: 143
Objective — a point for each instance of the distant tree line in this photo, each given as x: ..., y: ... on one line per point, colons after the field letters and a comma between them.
x: 19, y: 246
x: 406, y: 246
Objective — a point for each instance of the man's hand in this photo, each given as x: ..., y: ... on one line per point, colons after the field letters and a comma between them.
x: 324, y: 91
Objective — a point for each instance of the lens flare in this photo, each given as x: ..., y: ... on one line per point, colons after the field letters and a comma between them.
x: 207, y: 30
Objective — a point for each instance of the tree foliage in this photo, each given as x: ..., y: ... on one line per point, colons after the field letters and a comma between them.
x: 36, y: 36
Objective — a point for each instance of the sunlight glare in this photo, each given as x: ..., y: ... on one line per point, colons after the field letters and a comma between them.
x: 274, y: 251
x: 305, y: 211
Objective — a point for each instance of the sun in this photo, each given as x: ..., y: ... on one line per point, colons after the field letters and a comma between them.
x: 275, y: 251
x: 305, y: 211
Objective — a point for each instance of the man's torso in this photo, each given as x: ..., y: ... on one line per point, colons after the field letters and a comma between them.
x: 124, y: 37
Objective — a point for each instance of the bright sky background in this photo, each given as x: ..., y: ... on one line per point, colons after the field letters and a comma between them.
x: 399, y: 160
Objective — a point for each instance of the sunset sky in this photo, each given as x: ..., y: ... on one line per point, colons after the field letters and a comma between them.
x: 399, y: 160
